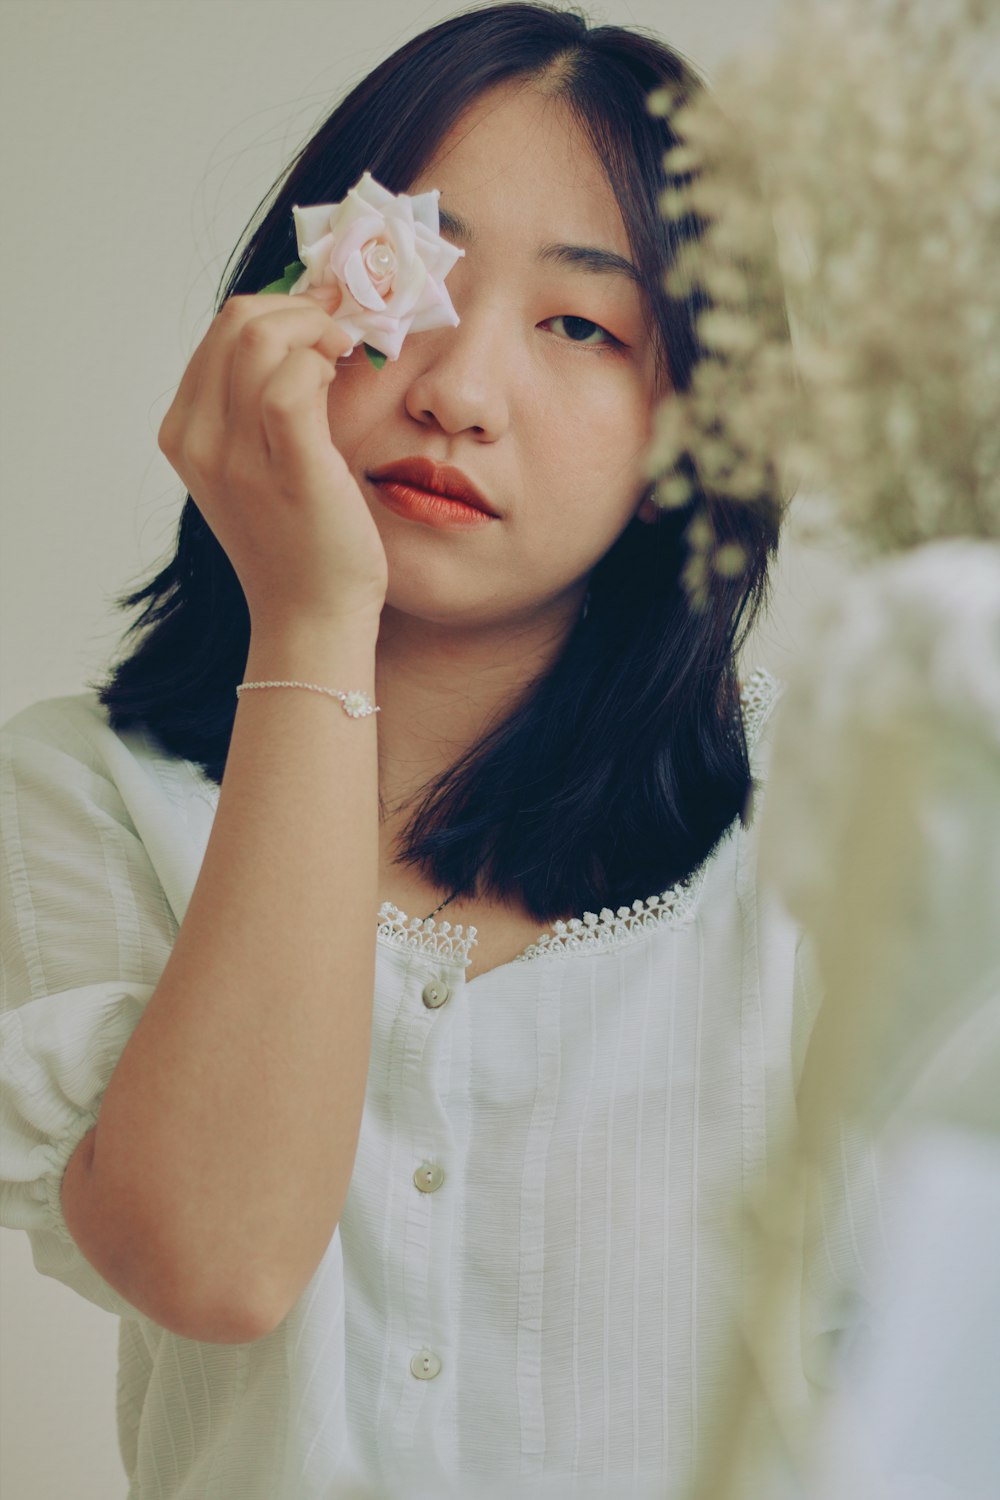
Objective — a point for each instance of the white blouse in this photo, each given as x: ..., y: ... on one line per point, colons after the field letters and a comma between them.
x: 536, y: 1281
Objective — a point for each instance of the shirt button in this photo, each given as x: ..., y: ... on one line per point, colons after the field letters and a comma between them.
x: 425, y: 1365
x: 435, y: 993
x: 428, y: 1177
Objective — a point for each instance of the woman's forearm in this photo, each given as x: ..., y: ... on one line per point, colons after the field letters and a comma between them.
x: 223, y: 1151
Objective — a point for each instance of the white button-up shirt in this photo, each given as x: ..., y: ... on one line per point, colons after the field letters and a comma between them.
x: 536, y: 1281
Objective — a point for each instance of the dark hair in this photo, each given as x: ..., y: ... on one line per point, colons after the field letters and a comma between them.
x: 619, y: 769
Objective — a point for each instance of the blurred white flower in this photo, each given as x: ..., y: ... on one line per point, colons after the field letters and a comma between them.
x: 848, y: 175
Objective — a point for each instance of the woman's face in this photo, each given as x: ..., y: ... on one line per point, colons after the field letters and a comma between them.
x: 542, y: 396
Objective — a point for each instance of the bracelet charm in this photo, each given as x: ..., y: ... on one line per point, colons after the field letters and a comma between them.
x: 356, y: 704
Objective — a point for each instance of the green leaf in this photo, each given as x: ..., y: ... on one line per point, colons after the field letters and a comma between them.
x: 285, y: 283
x: 377, y: 359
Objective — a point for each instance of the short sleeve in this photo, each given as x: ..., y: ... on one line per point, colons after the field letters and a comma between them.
x: 85, y: 933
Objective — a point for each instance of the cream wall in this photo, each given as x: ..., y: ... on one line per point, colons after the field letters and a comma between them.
x: 140, y: 135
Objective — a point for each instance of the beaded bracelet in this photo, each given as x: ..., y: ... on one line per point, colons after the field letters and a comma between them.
x: 357, y: 705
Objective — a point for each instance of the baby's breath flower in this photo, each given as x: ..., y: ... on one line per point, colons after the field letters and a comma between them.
x: 661, y: 102
x: 672, y: 205
x: 729, y: 560
x: 848, y: 176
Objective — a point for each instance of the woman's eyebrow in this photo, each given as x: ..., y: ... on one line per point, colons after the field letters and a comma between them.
x: 583, y: 257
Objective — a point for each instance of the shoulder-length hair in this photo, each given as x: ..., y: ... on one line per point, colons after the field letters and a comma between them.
x: 618, y: 770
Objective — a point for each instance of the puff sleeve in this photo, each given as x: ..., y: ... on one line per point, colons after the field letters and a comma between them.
x: 85, y: 932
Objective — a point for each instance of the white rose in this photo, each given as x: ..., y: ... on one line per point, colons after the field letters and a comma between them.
x: 385, y: 253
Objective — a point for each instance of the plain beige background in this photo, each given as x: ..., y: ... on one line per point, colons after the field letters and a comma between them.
x: 140, y: 136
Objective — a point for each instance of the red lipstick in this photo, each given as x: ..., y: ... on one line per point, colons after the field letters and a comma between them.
x: 436, y: 493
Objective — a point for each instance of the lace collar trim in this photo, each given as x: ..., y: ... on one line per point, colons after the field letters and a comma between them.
x: 593, y: 931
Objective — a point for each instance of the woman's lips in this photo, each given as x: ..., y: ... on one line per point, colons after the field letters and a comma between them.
x: 426, y: 506
x: 420, y: 473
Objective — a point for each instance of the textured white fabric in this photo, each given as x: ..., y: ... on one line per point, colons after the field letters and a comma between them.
x: 596, y: 1107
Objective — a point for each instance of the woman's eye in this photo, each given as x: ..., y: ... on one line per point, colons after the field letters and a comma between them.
x: 582, y: 331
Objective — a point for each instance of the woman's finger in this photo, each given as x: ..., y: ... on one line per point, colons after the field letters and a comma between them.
x: 204, y: 388
x: 263, y: 343
x: 202, y: 384
x: 293, y: 414
x: 176, y: 419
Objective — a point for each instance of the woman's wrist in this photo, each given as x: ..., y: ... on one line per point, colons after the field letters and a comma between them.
x: 310, y: 650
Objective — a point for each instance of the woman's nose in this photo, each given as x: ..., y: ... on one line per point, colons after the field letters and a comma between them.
x: 461, y: 379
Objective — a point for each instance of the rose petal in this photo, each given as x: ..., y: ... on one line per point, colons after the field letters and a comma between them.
x: 386, y: 334
x: 438, y: 254
x: 425, y: 210
x: 351, y: 239
x: 440, y: 315
x: 431, y: 300
x: 350, y: 307
x: 403, y: 236
x: 373, y: 194
x: 352, y: 319
x: 356, y: 206
x: 352, y: 211
x: 408, y: 288
x: 359, y: 283
x: 312, y: 223
x: 316, y: 258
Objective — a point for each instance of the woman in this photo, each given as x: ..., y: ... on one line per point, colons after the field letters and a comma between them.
x: 435, y: 1203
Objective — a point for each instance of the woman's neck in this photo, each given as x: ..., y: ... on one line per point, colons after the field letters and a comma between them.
x: 440, y: 689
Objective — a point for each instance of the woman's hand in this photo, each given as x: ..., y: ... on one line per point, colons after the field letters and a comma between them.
x: 248, y: 434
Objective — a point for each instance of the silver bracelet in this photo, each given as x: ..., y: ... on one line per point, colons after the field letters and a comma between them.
x: 356, y: 704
